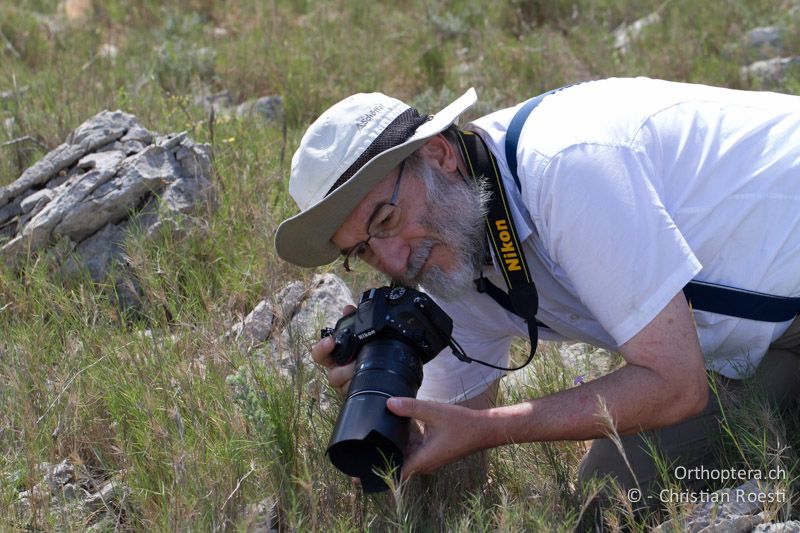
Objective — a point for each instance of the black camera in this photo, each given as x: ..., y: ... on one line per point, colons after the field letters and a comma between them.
x: 392, y: 333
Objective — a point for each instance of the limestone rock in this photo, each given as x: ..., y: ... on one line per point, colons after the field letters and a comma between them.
x: 267, y: 107
x: 728, y: 511
x: 770, y: 73
x: 321, y: 307
x: 281, y: 329
x: 110, y: 492
x: 258, y: 325
x: 109, y: 177
x: 58, y: 475
x: 102, y: 129
x: 255, y: 328
x: 262, y: 517
x: 97, y: 253
x: 70, y: 489
x: 289, y: 299
x: 270, y: 108
x: 764, y: 41
x: 626, y: 34
x: 299, y: 311
x: 792, y: 526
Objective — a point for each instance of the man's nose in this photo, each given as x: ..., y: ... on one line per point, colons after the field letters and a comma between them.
x: 390, y: 256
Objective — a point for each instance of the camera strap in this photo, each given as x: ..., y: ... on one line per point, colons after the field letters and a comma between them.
x: 522, y: 298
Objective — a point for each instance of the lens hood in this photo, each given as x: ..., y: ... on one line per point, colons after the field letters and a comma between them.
x: 368, y: 439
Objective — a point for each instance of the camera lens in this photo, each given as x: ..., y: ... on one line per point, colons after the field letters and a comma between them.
x: 367, y: 436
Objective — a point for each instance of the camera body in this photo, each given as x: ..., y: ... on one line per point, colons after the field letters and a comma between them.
x: 392, y: 312
x: 392, y: 333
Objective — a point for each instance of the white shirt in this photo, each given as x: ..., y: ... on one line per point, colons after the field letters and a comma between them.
x: 630, y: 189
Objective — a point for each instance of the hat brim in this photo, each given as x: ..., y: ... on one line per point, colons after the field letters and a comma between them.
x: 305, y: 239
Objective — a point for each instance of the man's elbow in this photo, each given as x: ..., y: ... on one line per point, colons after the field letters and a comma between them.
x: 688, y: 396
x: 695, y: 397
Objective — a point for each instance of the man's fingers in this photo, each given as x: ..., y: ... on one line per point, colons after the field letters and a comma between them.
x: 339, y: 376
x: 320, y: 352
x: 409, y: 407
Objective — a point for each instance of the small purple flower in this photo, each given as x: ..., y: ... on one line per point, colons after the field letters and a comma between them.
x: 579, y: 380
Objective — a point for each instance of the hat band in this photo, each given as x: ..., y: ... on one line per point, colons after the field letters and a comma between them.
x: 397, y: 132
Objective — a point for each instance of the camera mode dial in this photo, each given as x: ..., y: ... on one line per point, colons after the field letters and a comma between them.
x: 396, y: 294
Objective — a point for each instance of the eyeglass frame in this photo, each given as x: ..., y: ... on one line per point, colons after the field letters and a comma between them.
x: 351, y: 252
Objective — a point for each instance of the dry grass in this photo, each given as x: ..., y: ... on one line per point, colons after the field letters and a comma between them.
x: 146, y: 398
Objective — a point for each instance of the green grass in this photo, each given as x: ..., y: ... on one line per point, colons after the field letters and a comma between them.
x: 197, y: 429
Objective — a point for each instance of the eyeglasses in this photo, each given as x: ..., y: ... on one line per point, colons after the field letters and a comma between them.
x: 385, y: 222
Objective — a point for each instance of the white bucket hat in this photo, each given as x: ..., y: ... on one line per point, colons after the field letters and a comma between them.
x: 349, y: 149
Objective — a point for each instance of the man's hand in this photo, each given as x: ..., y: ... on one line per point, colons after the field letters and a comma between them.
x: 664, y: 382
x: 448, y: 432
x: 338, y: 376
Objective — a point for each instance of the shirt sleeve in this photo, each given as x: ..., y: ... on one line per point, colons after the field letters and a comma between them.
x: 604, y: 223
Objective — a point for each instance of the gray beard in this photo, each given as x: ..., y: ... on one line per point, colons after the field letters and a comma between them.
x: 455, y: 218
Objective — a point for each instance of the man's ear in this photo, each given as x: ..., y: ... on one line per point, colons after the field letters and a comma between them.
x: 439, y: 152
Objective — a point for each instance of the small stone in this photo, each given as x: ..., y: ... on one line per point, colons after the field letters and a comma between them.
x: 104, y: 159
x: 112, y: 491
x: 792, y: 526
x: 765, y: 36
x: 770, y: 72
x: 59, y: 475
x: 262, y: 517
x: 9, y: 125
x: 137, y: 133
x: 627, y: 33
x: 268, y: 107
x: 220, y: 33
x: 107, y: 51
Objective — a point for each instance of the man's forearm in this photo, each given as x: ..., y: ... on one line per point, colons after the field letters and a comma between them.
x: 636, y: 398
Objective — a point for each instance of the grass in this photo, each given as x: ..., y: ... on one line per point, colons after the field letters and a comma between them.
x: 199, y: 430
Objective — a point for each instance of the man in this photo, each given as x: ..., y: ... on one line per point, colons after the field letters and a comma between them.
x: 629, y: 189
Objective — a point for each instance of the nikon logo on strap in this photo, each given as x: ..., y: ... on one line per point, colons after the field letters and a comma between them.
x: 507, y: 248
x: 522, y: 298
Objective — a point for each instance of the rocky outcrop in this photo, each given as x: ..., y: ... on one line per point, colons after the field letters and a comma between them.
x: 111, y: 177
x: 295, y: 315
